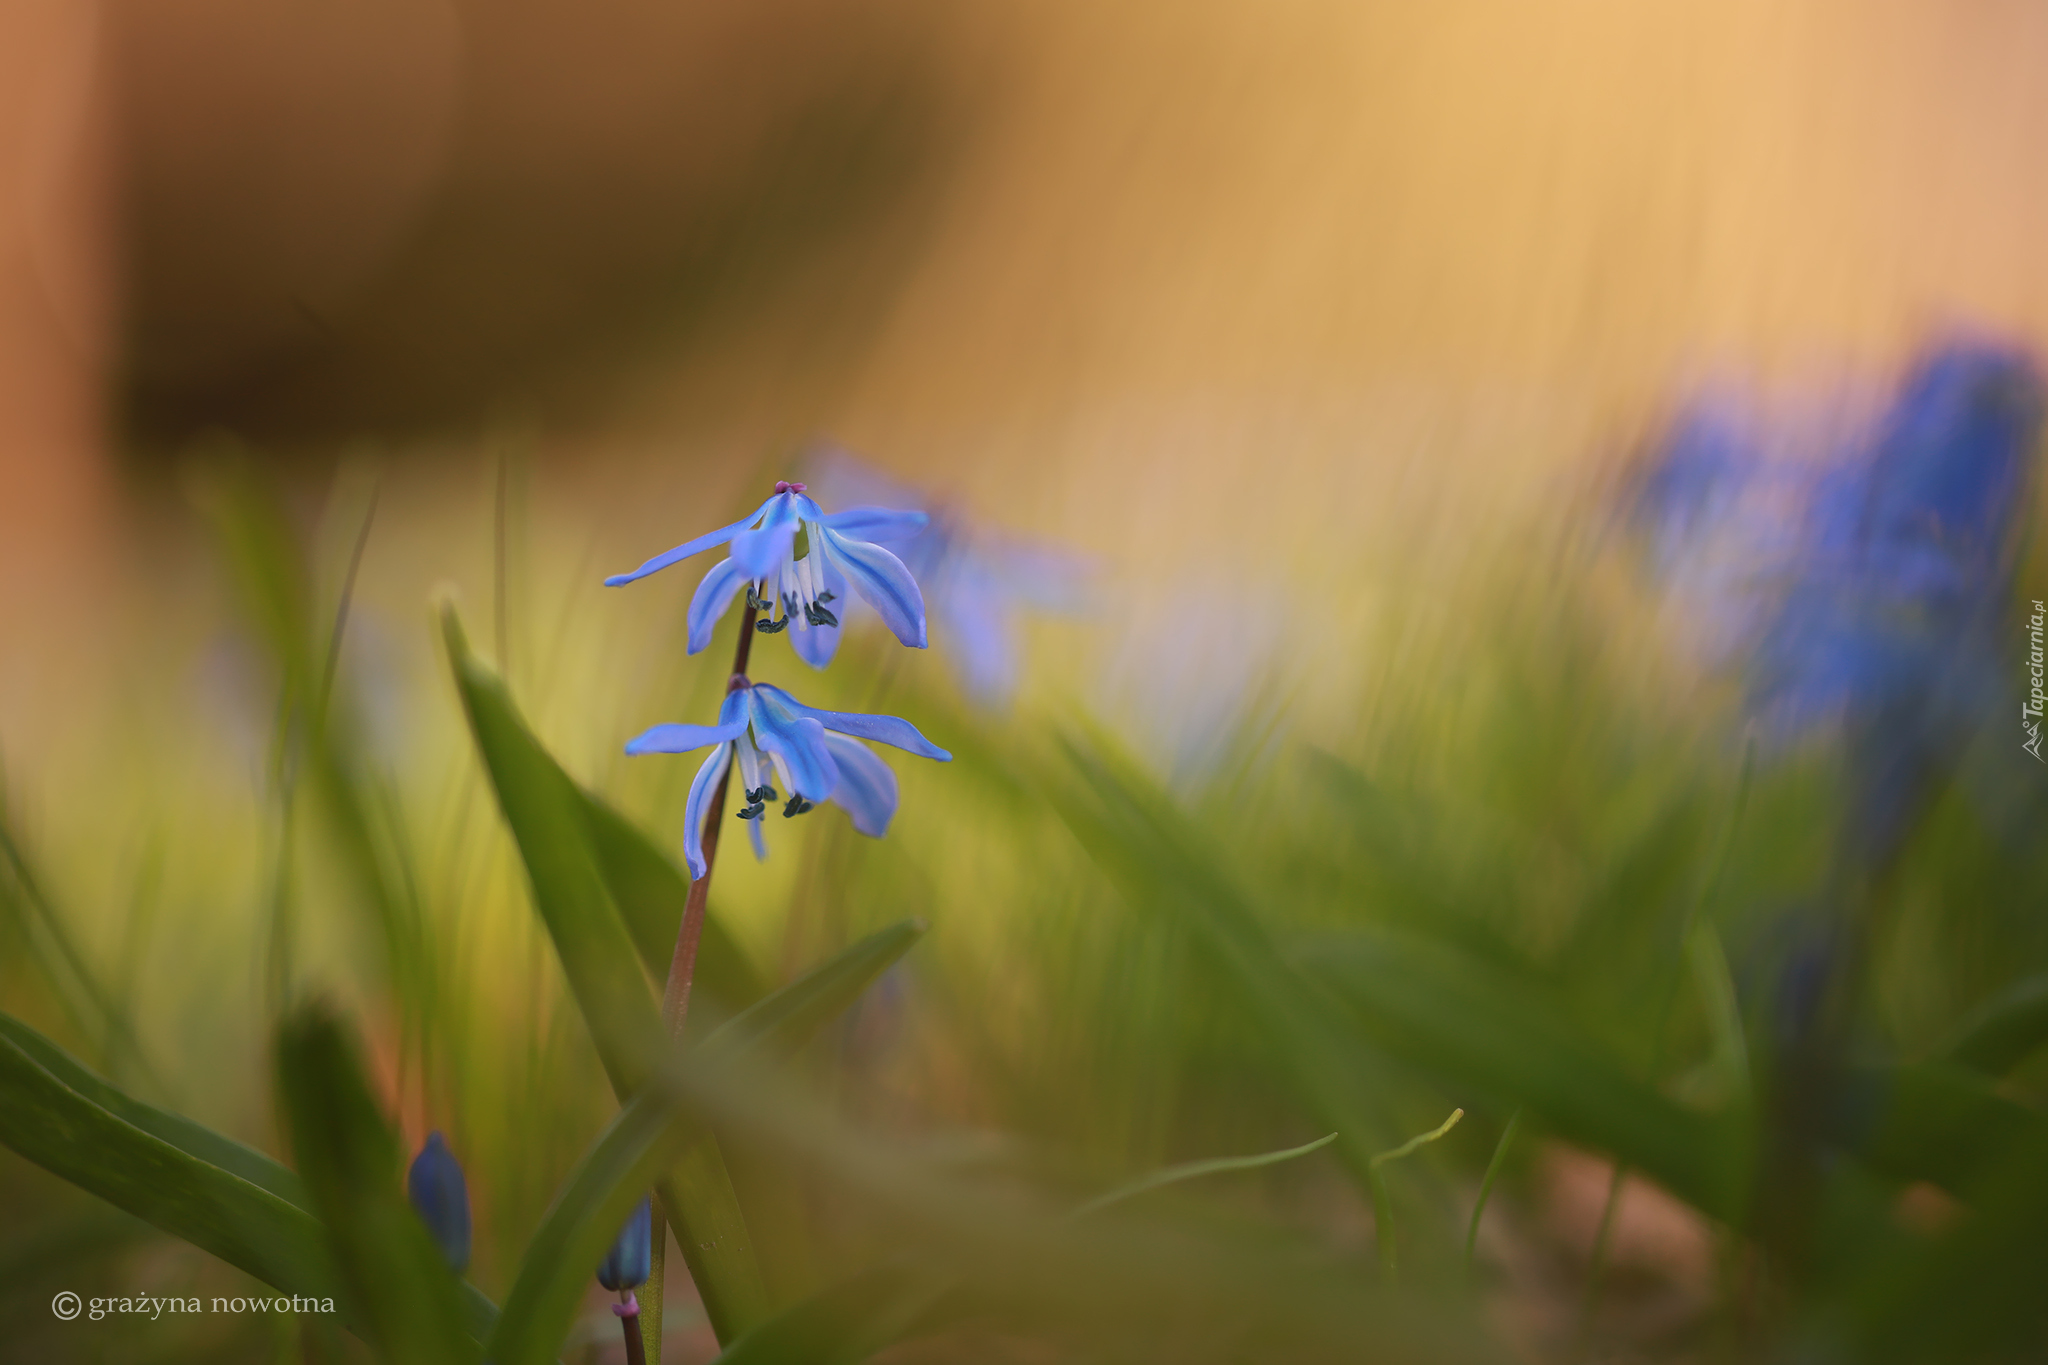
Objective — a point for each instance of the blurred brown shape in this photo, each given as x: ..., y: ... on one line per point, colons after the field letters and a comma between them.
x: 400, y: 213
x: 54, y: 302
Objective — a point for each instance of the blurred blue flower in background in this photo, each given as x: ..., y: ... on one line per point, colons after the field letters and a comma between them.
x: 789, y: 553
x: 1867, y: 588
x: 627, y: 1264
x: 978, y: 583
x: 776, y: 738
x: 436, y: 1187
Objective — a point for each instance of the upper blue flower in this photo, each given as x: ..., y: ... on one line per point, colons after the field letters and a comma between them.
x: 778, y: 739
x: 436, y: 1188
x: 788, y: 552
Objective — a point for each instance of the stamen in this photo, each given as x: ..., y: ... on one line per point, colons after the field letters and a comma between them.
x: 797, y: 806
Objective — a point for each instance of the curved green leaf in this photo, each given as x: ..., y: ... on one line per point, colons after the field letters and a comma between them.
x: 189, y: 1137
x: 643, y: 1141
x: 653, y: 1137
x: 218, y: 1211
x: 786, y: 1020
x: 404, y: 1296
x: 547, y: 815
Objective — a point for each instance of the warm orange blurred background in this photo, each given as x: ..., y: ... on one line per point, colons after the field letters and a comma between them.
x: 1138, y: 275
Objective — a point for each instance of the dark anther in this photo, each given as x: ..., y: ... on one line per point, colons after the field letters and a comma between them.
x: 764, y: 792
x: 797, y: 806
x: 767, y: 627
x: 825, y: 597
x: 752, y: 812
x: 759, y: 603
x: 818, y: 616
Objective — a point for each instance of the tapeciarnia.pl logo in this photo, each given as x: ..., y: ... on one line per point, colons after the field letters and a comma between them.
x: 2030, y: 710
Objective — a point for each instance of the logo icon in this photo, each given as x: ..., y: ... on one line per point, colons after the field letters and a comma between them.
x: 66, y: 1305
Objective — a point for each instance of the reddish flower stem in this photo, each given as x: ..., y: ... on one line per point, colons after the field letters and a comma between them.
x: 675, y: 997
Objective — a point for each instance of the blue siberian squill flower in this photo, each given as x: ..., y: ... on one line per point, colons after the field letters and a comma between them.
x: 976, y: 582
x: 438, y: 1191
x: 1866, y: 588
x: 627, y: 1264
x: 814, y: 755
x: 790, y: 553
x: 1893, y: 620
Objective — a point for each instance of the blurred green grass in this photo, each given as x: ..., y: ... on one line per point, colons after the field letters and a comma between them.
x: 1522, y: 811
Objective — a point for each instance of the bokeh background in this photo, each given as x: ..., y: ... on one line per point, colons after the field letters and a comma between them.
x: 1322, y: 337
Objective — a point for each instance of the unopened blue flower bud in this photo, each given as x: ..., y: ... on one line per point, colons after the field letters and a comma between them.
x: 437, y: 1189
x: 632, y: 1255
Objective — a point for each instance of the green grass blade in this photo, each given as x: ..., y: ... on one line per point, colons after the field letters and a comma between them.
x: 546, y: 814
x: 1164, y: 866
x: 1382, y: 1198
x: 404, y: 1295
x: 101, y: 1152
x: 1486, y: 1182
x: 1484, y: 1030
x: 783, y: 1022
x: 544, y: 811
x: 1191, y: 1170
x: 191, y: 1138
x: 642, y: 1143
x: 210, y: 1149
x: 653, y: 1140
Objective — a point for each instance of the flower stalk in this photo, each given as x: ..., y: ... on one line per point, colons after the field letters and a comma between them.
x: 675, y: 995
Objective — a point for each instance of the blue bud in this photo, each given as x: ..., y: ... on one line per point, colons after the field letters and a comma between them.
x: 632, y: 1255
x: 437, y: 1189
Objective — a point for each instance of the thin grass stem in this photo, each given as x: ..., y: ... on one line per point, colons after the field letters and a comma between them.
x: 1493, y: 1165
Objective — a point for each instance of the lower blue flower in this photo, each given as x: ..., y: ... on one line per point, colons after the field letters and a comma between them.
x: 787, y: 752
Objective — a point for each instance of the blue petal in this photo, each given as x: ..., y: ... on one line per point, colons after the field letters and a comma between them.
x: 701, y: 788
x: 887, y: 586
x: 682, y: 739
x: 762, y: 551
x: 798, y: 741
x: 867, y: 787
x: 695, y: 547
x: 877, y: 523
x: 884, y: 729
x: 713, y: 600
x: 816, y: 645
